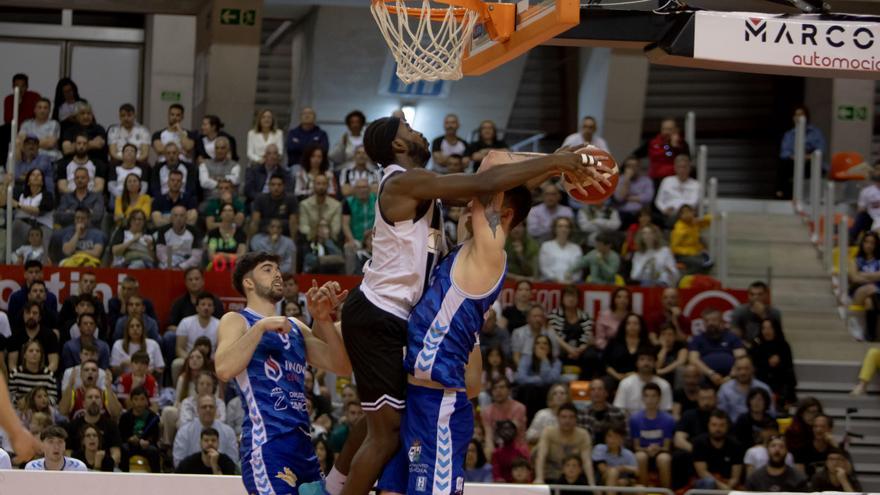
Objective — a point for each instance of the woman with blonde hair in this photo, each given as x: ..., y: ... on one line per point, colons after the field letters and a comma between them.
x: 653, y: 263
x: 557, y: 395
x: 134, y: 339
x: 264, y: 133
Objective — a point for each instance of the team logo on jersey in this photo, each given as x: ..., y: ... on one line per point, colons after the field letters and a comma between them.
x: 421, y: 483
x: 287, y: 476
x: 272, y: 369
x: 415, y: 451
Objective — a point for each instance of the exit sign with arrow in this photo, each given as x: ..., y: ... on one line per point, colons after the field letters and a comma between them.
x: 850, y: 112
x: 238, y: 17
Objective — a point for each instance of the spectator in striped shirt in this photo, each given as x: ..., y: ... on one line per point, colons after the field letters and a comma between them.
x: 31, y: 373
x: 362, y: 169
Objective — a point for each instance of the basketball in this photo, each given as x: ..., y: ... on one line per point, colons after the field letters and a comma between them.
x: 595, y: 195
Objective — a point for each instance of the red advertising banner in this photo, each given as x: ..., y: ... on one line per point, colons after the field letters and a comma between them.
x: 162, y: 287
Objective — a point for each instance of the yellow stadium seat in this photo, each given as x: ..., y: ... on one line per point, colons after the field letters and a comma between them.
x: 835, y: 257
x: 138, y: 464
x: 580, y: 390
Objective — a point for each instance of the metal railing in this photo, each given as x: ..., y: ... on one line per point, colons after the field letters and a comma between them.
x: 712, y: 210
x: 797, y: 191
x: 815, y: 192
x: 721, y: 262
x: 556, y: 489
x: 10, y: 170
x: 702, y: 171
x: 843, y: 260
x: 690, y: 130
x: 828, y: 227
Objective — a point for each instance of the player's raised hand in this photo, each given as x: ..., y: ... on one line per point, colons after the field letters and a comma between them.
x: 322, y: 302
x: 279, y: 324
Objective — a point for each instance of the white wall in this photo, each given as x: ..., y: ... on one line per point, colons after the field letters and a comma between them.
x: 347, y: 60
x: 169, y: 61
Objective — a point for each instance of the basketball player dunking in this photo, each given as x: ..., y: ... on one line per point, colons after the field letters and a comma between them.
x: 407, y: 242
x: 267, y: 356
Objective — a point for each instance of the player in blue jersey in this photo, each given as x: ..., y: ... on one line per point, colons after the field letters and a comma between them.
x: 443, y: 350
x: 267, y: 356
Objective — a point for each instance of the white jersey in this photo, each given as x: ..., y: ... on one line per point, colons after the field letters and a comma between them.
x: 404, y: 254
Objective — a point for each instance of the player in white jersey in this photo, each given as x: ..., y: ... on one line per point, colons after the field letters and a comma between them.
x: 407, y: 242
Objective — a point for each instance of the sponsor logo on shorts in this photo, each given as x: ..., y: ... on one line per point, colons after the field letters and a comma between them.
x: 421, y: 483
x: 415, y: 451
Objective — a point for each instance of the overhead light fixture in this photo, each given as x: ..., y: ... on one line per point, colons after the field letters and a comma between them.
x: 409, y: 113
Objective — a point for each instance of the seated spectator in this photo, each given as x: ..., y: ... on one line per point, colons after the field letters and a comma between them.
x: 206, y: 142
x: 678, y: 190
x: 80, y: 197
x: 196, y: 362
x: 139, y: 428
x: 653, y: 263
x: 609, y: 318
x: 27, y: 100
x: 629, y: 392
x: 476, y: 468
x: 652, y: 430
x: 203, y: 323
x: 866, y: 220
x: 358, y: 216
x: 226, y: 196
x: 187, y: 304
x: 360, y: 170
x: 776, y: 476
x: 587, y: 136
x: 82, y: 245
x: 205, y: 384
x: 133, y: 340
x: 522, y: 254
x: 715, y: 350
x: 685, y: 242
x: 209, y: 460
x: 188, y: 438
x: 320, y: 206
x: 85, y: 303
x: 542, y: 217
x: 487, y: 140
x: 670, y: 313
x: 617, y: 465
x: 178, y: 244
x: 30, y: 159
x: 53, y: 441
x: 258, y: 175
x: 226, y: 242
x: 118, y: 306
x: 521, y: 471
x: 44, y: 128
x: 66, y: 168
x: 447, y: 145
x: 163, y: 206
x: 574, y: 331
x: 559, y: 255
x: 31, y: 330
x: 495, y: 365
x: 634, y: 192
x: 47, y: 318
x: 620, y: 355
x: 313, y: 164
x: 557, y: 395
x: 292, y: 293
x: 323, y: 254
x: 732, y: 395
x: 747, y: 317
x: 219, y: 167
x: 93, y: 414
x: 757, y: 455
x: 593, y: 220
x: 353, y: 413
x: 33, y: 250
x: 693, y: 424
x: 557, y: 442
x: 304, y: 135
x: 602, y: 263
x: 272, y: 240
x: 799, y: 434
x: 133, y: 247
x: 516, y: 314
x: 265, y: 133
x: 717, y: 456
x: 34, y: 206
x: 81, y: 378
x: 325, y: 455
x: 509, y: 451
x: 71, y: 353
x: 758, y: 418
x: 136, y: 307
x: 536, y: 372
x: 600, y: 416
x: 31, y: 372
x: 837, y: 475
x: 503, y: 408
x: 664, y: 148
x: 38, y: 401
x: 522, y: 339
x: 66, y: 98
x: 84, y: 124
x: 138, y: 376
x: 862, y: 273
x: 812, y: 456
x: 672, y: 354
x: 183, y: 140
x: 813, y: 140
x: 119, y: 172
x: 128, y: 131
x: 169, y: 161
x: 343, y: 151
x: 275, y: 204
x: 91, y: 450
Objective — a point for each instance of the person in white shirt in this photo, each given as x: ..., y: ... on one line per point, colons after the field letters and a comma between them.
x: 54, y: 442
x: 542, y: 216
x: 48, y: 131
x: 5, y: 462
x: 869, y: 199
x: 653, y: 263
x: 677, y: 190
x: 586, y: 136
x: 558, y: 255
x: 134, y: 339
x: 187, y: 440
x: 342, y: 154
x: 446, y: 145
x: 222, y: 167
x: 264, y: 133
x: 128, y: 132
x: 201, y: 324
x: 629, y: 392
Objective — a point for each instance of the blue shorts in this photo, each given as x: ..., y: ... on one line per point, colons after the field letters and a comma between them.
x: 283, y: 466
x: 435, y: 432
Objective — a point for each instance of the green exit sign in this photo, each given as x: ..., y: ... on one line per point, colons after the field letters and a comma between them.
x: 850, y: 112
x: 238, y: 17
x: 171, y: 96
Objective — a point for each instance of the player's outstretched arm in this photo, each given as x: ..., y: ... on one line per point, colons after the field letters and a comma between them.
x: 23, y: 443
x: 236, y: 345
x: 326, y: 354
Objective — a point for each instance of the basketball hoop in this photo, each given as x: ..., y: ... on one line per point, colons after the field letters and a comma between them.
x: 428, y: 43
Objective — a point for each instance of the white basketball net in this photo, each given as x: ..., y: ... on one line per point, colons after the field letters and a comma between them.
x: 425, y: 50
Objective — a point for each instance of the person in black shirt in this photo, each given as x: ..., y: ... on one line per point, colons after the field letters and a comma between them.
x: 276, y: 203
x: 37, y: 293
x: 209, y: 460
x: 693, y: 424
x: 185, y: 305
x: 93, y: 414
x: 33, y: 330
x: 139, y: 427
x: 837, y: 475
x: 515, y: 314
x: 91, y: 450
x: 776, y: 476
x: 684, y: 398
x: 620, y: 355
x: 748, y: 426
x: 572, y: 474
x: 813, y: 455
x: 486, y: 142
x: 717, y: 457
x: 574, y: 330
x: 88, y: 281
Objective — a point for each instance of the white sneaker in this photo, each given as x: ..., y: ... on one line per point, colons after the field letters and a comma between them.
x: 855, y: 328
